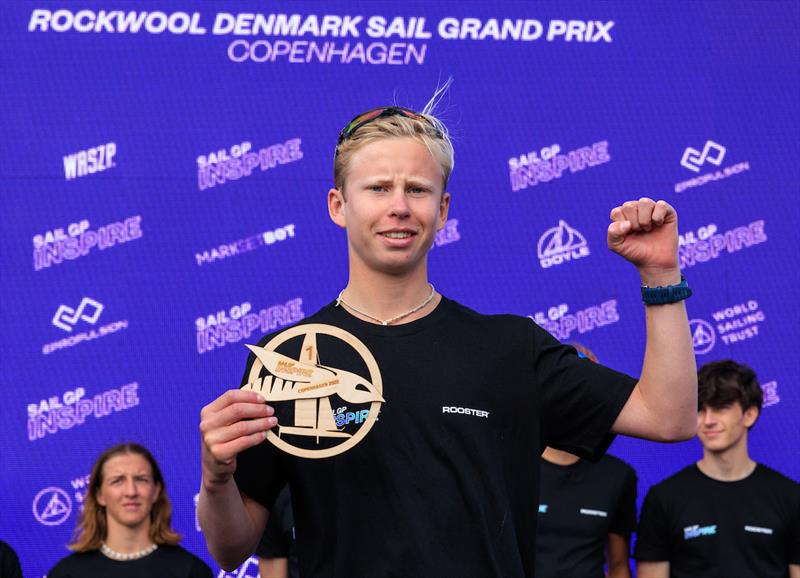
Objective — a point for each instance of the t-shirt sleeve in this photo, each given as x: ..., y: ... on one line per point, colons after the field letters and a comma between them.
x: 624, y: 519
x: 652, y: 536
x: 275, y: 541
x: 580, y: 399
x: 259, y: 470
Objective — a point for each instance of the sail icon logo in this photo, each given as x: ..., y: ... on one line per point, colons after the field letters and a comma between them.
x: 560, y: 245
x: 302, y: 380
x: 52, y: 506
x: 703, y: 336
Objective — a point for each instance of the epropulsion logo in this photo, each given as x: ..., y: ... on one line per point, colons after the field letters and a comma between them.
x: 90, y: 161
x: 529, y: 169
x: 88, y: 312
x: 72, y: 409
x: 696, y: 531
x: 52, y: 506
x: 66, y: 317
x: 263, y: 239
x: 240, y: 321
x: 77, y: 240
x: 219, y: 167
x: 561, y: 323
x: 560, y: 245
x: 712, y: 154
x: 710, y: 243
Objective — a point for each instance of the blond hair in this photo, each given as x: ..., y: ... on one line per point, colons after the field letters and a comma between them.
x: 92, y: 526
x: 431, y: 132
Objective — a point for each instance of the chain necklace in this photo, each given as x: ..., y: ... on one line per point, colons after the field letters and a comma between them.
x: 341, y: 301
x: 114, y: 555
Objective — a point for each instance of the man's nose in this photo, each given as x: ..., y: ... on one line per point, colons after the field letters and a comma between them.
x: 399, y: 204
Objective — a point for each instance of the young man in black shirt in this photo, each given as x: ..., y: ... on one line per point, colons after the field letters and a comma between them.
x: 443, y: 482
x: 277, y: 550
x: 726, y: 515
x: 587, y: 513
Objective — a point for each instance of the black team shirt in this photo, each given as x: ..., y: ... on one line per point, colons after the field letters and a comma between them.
x: 431, y: 490
x: 708, y: 528
x: 579, y: 506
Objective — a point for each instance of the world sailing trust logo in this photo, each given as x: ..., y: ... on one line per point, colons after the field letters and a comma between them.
x: 52, y: 506
x: 302, y: 390
x: 560, y: 245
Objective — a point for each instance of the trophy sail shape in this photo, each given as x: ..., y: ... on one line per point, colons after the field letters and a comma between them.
x: 312, y: 417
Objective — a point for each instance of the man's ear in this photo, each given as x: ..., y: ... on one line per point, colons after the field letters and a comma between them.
x: 336, y: 202
x: 750, y: 416
x: 444, y: 208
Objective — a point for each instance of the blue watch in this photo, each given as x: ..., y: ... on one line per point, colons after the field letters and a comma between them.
x: 668, y: 294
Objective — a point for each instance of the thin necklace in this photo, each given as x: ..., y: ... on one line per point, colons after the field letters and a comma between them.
x: 114, y: 555
x: 340, y: 301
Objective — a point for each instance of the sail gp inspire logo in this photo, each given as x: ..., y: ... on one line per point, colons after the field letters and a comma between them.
x: 561, y: 244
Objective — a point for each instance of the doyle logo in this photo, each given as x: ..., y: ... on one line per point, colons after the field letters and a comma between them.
x: 73, y: 407
x: 301, y: 388
x: 562, y: 323
x: 560, y: 245
x: 89, y: 311
x: 53, y: 247
x: 263, y: 239
x: 528, y: 170
x: 696, y: 531
x: 712, y: 153
x: 52, y: 506
x: 703, y: 336
x: 90, y: 161
x: 218, y: 169
x: 710, y: 243
x: 240, y: 321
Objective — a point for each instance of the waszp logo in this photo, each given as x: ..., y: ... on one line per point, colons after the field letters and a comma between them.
x: 696, y: 531
x: 52, y: 506
x: 703, y: 336
x: 89, y: 310
x: 712, y: 153
x: 560, y: 244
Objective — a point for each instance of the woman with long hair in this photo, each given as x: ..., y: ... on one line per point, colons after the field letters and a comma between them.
x: 124, y: 529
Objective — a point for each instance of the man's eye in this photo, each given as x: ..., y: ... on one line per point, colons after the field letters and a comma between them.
x: 377, y: 188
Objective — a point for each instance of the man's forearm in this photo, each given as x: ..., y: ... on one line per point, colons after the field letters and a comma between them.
x: 668, y: 383
x: 230, y: 531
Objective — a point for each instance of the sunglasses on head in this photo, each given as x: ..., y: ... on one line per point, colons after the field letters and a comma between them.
x: 370, y: 115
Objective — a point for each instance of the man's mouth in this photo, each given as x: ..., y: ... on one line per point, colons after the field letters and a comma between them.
x: 397, y: 234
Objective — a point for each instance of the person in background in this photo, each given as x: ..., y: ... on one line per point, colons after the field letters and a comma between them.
x: 587, y: 513
x: 9, y: 562
x: 277, y: 551
x: 124, y: 528
x: 725, y: 515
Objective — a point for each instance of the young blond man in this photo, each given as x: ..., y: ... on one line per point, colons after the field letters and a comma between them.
x: 445, y: 483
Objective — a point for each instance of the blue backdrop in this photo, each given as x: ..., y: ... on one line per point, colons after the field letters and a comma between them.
x: 165, y: 167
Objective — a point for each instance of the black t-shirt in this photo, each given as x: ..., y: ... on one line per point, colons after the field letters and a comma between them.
x: 278, y: 540
x: 9, y: 562
x: 165, y: 562
x: 579, y: 506
x: 708, y: 528
x: 446, y: 481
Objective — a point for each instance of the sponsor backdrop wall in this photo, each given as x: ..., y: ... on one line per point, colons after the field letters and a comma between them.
x: 165, y: 168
